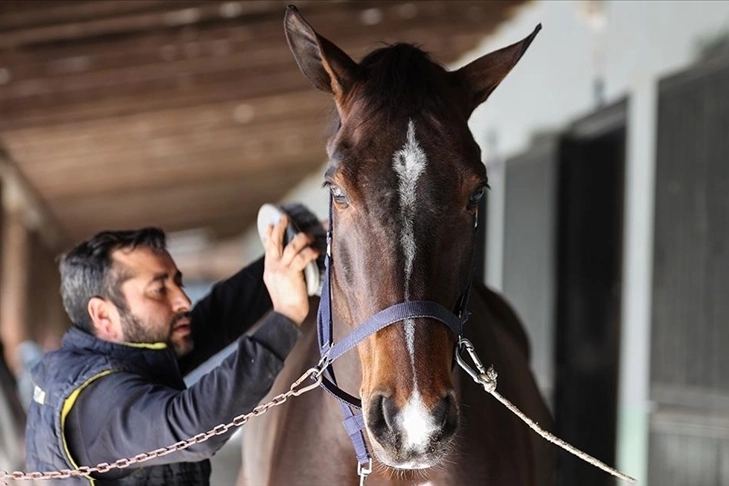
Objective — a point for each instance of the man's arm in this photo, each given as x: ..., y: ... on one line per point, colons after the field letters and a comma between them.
x: 123, y: 414
x: 231, y: 308
x: 234, y: 305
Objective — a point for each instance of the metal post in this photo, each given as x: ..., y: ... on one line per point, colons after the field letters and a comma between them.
x: 634, y: 391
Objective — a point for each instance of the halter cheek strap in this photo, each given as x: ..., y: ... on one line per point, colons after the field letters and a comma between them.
x: 354, y: 422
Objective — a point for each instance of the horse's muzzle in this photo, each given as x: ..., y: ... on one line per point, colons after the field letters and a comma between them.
x: 411, y: 436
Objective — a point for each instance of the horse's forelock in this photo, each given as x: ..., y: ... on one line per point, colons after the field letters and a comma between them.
x: 400, y: 80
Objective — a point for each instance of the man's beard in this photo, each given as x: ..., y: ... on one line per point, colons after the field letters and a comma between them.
x: 135, y: 331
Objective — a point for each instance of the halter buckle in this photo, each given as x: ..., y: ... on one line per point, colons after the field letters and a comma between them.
x: 324, y: 362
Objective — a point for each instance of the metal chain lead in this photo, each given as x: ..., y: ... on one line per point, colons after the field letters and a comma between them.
x: 487, y: 379
x: 314, y: 373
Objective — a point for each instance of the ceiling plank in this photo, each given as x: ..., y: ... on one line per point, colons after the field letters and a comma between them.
x: 90, y: 151
x: 263, y: 17
x: 244, y: 115
x: 47, y: 108
x: 190, y: 113
x: 21, y: 14
x: 166, y: 59
x: 86, y: 184
x: 175, y: 207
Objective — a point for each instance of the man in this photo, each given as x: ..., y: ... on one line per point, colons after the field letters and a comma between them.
x: 114, y: 389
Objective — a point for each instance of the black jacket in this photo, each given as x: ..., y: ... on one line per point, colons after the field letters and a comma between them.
x: 97, y: 401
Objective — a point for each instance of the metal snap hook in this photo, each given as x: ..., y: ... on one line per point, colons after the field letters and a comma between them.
x: 480, y: 375
x: 313, y: 373
x: 364, y: 471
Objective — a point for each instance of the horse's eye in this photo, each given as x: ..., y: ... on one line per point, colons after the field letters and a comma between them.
x: 477, y: 195
x: 338, y: 195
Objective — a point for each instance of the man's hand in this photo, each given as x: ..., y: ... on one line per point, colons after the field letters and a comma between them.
x: 284, y: 271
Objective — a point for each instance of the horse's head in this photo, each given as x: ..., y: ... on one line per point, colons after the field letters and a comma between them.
x: 406, y: 177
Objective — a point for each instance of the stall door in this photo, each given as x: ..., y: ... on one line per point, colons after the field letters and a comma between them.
x: 588, y: 309
x: 689, y: 426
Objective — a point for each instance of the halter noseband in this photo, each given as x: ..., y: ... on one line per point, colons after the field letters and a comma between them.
x: 351, y: 406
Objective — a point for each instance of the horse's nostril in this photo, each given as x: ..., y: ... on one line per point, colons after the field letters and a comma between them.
x: 389, y: 412
x: 440, y: 412
x: 382, y: 415
x: 446, y: 414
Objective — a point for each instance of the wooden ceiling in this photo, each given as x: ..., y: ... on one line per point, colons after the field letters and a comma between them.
x: 185, y: 114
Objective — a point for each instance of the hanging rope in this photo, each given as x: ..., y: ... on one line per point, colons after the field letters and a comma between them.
x: 488, y: 380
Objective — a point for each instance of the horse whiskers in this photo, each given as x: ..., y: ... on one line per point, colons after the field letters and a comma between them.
x: 448, y: 459
x: 424, y: 474
x: 391, y: 472
x: 383, y: 469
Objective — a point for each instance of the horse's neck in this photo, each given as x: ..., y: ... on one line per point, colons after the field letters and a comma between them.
x: 304, y: 440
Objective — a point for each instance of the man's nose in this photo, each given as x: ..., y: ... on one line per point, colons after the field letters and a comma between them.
x: 180, y: 301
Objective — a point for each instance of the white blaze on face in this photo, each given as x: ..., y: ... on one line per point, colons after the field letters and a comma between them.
x: 409, y: 164
x: 416, y: 423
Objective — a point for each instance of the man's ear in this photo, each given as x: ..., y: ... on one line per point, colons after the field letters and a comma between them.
x: 104, y: 318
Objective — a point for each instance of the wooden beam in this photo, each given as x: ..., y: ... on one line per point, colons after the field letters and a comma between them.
x: 219, y: 226
x: 14, y: 286
x: 180, y: 207
x: 252, y: 118
x: 22, y: 14
x: 179, y: 200
x: 173, y: 55
x: 227, y: 46
x: 139, y: 21
x: 49, y: 107
x: 122, y: 100
x: 201, y: 163
x: 251, y: 141
x: 263, y: 15
x: 88, y: 185
x: 206, y: 50
x: 23, y: 213
x: 21, y: 199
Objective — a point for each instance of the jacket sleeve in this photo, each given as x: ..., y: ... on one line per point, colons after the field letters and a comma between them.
x: 231, y: 308
x: 122, y: 414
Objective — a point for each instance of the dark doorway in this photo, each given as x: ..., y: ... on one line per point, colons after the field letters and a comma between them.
x: 589, y: 258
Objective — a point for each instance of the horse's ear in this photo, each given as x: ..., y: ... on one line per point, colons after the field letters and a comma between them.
x: 484, y: 74
x: 323, y: 63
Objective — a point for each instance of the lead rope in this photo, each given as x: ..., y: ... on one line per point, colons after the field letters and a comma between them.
x: 487, y: 379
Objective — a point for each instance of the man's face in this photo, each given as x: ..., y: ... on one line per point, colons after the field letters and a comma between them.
x: 157, y: 309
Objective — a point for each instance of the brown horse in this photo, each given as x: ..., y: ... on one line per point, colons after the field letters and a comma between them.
x: 405, y: 177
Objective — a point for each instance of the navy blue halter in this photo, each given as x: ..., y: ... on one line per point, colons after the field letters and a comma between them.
x: 351, y: 406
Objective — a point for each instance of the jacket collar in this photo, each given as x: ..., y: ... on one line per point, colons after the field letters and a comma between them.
x: 156, y: 356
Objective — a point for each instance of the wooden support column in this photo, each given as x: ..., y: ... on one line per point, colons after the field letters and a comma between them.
x: 23, y: 215
x: 14, y: 286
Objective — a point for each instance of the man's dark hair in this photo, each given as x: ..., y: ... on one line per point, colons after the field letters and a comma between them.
x: 88, y: 271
